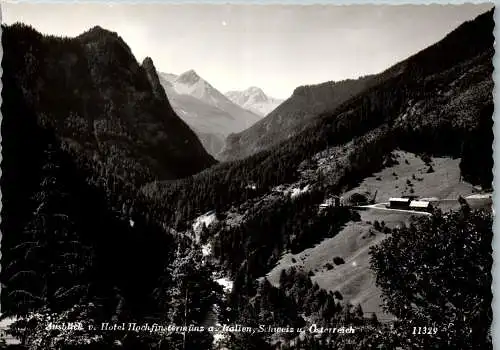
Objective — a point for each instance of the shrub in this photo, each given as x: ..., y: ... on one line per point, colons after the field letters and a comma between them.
x: 338, y: 260
x: 358, y: 198
x: 426, y: 159
x: 427, y: 276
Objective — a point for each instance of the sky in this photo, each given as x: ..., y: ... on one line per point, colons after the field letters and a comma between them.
x: 274, y: 47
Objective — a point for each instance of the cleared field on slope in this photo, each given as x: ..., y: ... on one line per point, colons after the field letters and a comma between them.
x: 411, y: 173
x: 354, y: 279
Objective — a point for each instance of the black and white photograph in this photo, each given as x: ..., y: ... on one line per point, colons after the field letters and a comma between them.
x: 196, y: 176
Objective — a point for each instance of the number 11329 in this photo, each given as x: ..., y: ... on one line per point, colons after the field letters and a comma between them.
x: 424, y: 330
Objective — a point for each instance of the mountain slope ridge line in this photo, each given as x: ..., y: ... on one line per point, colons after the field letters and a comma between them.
x: 264, y: 135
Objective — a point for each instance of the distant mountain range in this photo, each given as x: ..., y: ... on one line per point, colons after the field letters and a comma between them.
x: 255, y: 100
x: 207, y: 111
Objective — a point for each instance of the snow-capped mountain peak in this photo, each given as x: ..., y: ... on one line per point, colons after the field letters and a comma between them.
x: 254, y: 94
x: 205, y: 109
x: 190, y: 77
x: 190, y: 83
x: 254, y: 90
x: 254, y: 99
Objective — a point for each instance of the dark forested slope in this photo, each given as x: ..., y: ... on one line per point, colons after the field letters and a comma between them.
x: 100, y: 101
x: 82, y: 123
x: 79, y: 247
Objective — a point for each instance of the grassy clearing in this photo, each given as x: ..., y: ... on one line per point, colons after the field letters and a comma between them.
x: 354, y: 279
x: 411, y: 177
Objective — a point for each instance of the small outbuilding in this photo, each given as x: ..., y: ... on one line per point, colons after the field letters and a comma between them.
x: 420, y: 205
x: 331, y: 202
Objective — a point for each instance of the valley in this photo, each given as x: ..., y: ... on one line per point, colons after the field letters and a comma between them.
x: 150, y: 197
x: 212, y: 115
x: 340, y: 264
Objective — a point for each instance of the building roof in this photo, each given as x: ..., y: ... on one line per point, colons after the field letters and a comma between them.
x: 410, y: 196
x: 419, y: 204
x: 406, y: 200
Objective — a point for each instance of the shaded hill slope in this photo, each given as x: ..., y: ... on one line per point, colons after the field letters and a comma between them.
x: 77, y: 242
x: 100, y: 101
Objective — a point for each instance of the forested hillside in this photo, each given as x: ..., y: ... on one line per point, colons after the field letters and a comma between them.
x: 79, y: 246
x: 78, y: 243
x: 307, y: 102
x: 292, y: 115
x: 96, y: 96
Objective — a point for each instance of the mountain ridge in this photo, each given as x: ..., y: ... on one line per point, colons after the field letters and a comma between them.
x: 101, y: 101
x: 309, y: 101
x: 306, y: 102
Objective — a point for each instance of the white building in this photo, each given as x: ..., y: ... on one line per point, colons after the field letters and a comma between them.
x: 331, y: 202
x: 420, y: 205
